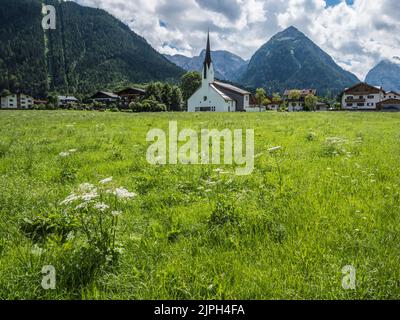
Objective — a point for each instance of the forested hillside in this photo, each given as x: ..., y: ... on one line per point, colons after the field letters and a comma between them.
x: 89, y: 49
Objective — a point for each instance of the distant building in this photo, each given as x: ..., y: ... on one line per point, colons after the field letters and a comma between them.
x: 389, y: 105
x: 296, y: 105
x: 391, y: 95
x: 362, y: 96
x: 37, y: 102
x: 105, y: 97
x: 216, y: 96
x: 66, y: 100
x: 16, y: 101
x: 130, y: 94
x: 322, y: 106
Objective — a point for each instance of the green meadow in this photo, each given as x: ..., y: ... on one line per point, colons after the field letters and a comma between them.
x: 329, y: 198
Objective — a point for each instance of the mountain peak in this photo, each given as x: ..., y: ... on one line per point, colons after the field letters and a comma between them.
x: 290, y: 33
x: 385, y: 74
x: 291, y: 29
x: 291, y: 60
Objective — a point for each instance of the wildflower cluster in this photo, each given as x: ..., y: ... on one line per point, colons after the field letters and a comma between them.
x: 96, y: 211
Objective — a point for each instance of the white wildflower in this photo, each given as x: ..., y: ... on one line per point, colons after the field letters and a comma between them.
x: 89, y: 196
x: 116, y: 213
x: 119, y: 250
x: 122, y: 193
x: 64, y: 154
x: 83, y: 205
x: 70, y: 236
x: 101, y: 207
x: 71, y: 198
x: 107, y: 180
x: 36, y: 250
x: 73, y: 150
x: 86, y: 187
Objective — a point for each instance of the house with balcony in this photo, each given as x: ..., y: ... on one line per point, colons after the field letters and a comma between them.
x: 363, y: 97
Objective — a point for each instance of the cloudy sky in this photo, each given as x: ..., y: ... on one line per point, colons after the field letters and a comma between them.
x: 356, y: 33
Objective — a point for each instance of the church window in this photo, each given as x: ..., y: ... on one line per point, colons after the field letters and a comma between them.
x: 205, y: 98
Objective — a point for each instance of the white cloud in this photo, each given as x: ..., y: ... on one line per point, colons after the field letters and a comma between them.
x: 357, y: 36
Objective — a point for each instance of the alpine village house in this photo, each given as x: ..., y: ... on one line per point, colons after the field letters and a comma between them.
x: 215, y: 96
x: 364, y: 97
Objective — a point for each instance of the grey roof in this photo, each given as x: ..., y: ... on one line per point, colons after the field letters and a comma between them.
x: 109, y: 94
x: 226, y: 97
x: 389, y: 92
x: 231, y: 87
x: 67, y: 98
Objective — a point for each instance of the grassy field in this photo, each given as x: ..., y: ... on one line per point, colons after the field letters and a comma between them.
x: 329, y: 198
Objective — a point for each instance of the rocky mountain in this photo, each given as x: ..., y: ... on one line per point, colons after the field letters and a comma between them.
x: 386, y: 74
x: 227, y: 65
x: 88, y: 50
x: 291, y: 60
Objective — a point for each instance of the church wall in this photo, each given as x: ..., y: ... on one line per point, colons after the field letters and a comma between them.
x: 214, y: 100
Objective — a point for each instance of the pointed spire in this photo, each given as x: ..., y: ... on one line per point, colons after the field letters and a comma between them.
x: 207, y: 60
x: 208, y: 50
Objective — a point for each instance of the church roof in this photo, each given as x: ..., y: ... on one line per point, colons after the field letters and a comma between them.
x: 223, y: 95
x: 230, y: 87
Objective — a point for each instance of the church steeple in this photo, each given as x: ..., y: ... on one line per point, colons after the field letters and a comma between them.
x: 207, y: 66
x: 208, y: 51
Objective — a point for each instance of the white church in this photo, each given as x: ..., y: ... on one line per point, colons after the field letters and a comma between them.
x: 216, y: 96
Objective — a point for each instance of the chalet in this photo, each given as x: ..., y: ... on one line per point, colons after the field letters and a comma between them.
x: 362, y: 96
x: 389, y: 105
x: 216, y: 96
x: 16, y: 101
x: 296, y: 105
x: 128, y: 95
x: 66, y: 100
x: 105, y: 97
